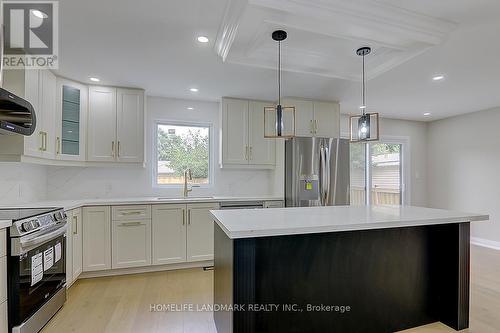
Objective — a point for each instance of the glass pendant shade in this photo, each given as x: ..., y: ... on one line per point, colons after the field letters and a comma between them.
x: 279, y: 121
x: 364, y: 127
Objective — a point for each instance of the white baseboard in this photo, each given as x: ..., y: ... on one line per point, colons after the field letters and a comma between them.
x: 145, y: 269
x: 485, y: 243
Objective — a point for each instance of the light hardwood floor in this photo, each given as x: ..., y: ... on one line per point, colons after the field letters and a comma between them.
x: 121, y: 304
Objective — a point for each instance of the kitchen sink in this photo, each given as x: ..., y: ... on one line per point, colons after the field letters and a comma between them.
x: 182, y: 198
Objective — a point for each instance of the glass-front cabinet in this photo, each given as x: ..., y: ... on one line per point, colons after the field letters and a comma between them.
x: 72, y: 115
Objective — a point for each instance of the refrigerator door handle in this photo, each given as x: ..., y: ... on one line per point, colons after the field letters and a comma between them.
x: 328, y: 175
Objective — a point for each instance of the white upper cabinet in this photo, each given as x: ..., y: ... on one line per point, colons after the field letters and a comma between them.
x: 33, y: 143
x: 304, y: 116
x: 101, y: 132
x: 116, y: 125
x: 234, y: 131
x: 262, y: 151
x: 315, y: 118
x: 327, y: 119
x: 39, y: 88
x: 48, y: 111
x: 242, y: 135
x: 71, y: 120
x: 130, y: 125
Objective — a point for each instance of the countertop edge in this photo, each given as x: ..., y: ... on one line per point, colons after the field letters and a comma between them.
x: 352, y: 227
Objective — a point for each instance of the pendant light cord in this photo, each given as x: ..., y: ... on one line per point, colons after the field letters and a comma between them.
x: 279, y: 72
x: 364, y: 87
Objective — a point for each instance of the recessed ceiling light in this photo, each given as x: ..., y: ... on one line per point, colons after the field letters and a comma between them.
x: 193, y: 89
x: 203, y: 39
x: 438, y: 77
x: 427, y: 114
x: 94, y: 79
x: 39, y: 14
x: 362, y: 107
x: 190, y: 108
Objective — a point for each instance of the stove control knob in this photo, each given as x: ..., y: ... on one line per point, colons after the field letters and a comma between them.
x: 36, y: 224
x: 26, y: 226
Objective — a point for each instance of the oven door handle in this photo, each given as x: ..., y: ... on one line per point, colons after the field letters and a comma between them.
x: 33, y: 242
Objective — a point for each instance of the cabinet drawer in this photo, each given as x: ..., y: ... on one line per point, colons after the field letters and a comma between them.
x: 133, y: 212
x: 3, y: 242
x: 3, y: 279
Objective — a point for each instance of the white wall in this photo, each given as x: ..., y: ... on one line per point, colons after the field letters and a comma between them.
x: 416, y: 133
x: 22, y: 183
x: 464, y: 168
x: 75, y: 182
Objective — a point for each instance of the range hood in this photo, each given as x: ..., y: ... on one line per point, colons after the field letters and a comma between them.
x: 17, y: 115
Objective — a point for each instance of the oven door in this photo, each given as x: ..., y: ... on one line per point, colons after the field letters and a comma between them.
x: 37, y: 268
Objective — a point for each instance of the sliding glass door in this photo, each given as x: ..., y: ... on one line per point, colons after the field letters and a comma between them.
x: 377, y: 167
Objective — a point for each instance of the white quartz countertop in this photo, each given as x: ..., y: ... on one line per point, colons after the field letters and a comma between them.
x: 5, y: 224
x: 250, y: 223
x: 72, y: 204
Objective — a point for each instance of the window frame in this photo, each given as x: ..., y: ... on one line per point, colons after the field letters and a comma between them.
x: 211, y: 152
x: 405, y: 167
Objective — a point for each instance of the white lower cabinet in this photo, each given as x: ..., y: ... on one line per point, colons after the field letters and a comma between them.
x: 131, y: 243
x: 96, y: 238
x: 200, y: 232
x: 69, y: 250
x: 77, y: 239
x: 169, y: 234
x: 3, y: 282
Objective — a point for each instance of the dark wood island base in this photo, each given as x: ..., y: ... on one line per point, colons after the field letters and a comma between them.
x: 377, y: 281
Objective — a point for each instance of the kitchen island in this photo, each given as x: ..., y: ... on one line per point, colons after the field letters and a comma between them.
x: 375, y: 269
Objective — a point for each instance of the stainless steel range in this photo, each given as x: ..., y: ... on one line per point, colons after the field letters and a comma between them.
x: 36, y: 266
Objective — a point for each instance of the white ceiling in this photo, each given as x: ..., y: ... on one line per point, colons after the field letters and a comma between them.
x: 152, y: 44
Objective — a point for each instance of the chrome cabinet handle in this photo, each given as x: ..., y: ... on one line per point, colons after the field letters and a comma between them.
x: 44, y: 141
x: 251, y: 154
x: 311, y: 126
x: 75, y: 225
x: 246, y: 153
x: 131, y: 224
x: 58, y: 145
x: 118, y: 149
x: 113, y: 148
x: 183, y: 217
x: 189, y: 217
x: 315, y: 126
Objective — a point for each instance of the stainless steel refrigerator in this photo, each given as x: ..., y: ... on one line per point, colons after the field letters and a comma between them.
x: 316, y: 172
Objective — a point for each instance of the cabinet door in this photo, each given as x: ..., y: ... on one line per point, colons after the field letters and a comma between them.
x: 130, y: 125
x: 304, y: 116
x: 262, y: 151
x: 69, y: 249
x: 131, y: 243
x: 96, y: 238
x: 234, y: 131
x: 200, y: 232
x: 327, y: 119
x: 101, y: 139
x: 33, y: 143
x: 48, y: 107
x: 76, y: 228
x: 169, y: 234
x: 71, y: 120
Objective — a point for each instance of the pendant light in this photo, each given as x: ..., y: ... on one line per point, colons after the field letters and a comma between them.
x: 279, y: 121
x: 364, y: 127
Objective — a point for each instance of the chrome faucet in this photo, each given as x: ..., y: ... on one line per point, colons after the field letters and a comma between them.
x: 187, y: 173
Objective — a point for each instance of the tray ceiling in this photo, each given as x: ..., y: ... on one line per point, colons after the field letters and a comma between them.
x: 324, y: 34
